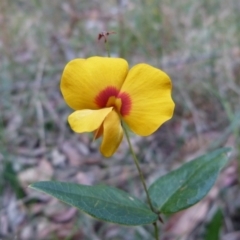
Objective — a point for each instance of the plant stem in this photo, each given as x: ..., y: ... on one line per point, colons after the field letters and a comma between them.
x: 139, y: 169
x: 107, y: 48
x: 156, y: 230
x: 141, y: 177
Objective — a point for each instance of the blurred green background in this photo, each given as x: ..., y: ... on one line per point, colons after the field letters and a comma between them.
x: 196, y: 42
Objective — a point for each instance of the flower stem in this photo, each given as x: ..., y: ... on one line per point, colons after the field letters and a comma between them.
x: 141, y: 177
x: 107, y: 48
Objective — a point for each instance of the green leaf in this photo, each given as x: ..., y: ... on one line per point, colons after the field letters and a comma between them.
x: 214, y: 227
x: 102, y: 202
x: 188, y: 184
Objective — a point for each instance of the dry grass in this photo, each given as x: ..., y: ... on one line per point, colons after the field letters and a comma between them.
x: 196, y: 42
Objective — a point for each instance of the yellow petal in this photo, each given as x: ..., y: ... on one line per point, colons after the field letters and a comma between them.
x: 84, y: 79
x: 87, y: 120
x: 112, y: 134
x: 151, y: 103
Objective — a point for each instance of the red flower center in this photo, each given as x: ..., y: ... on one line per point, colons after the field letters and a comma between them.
x: 111, y: 96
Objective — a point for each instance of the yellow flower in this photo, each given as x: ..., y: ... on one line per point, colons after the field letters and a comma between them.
x: 103, y: 92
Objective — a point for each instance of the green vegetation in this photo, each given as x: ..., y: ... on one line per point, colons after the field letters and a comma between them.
x: 196, y: 42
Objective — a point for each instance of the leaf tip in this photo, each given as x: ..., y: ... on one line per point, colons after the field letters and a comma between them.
x: 31, y: 186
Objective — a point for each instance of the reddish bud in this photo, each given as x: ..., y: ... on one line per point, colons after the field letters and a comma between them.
x: 104, y: 35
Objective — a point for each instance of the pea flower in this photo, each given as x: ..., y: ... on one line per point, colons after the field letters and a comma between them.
x: 104, y: 92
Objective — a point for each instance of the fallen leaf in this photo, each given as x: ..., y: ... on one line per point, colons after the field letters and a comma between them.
x: 43, y: 171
